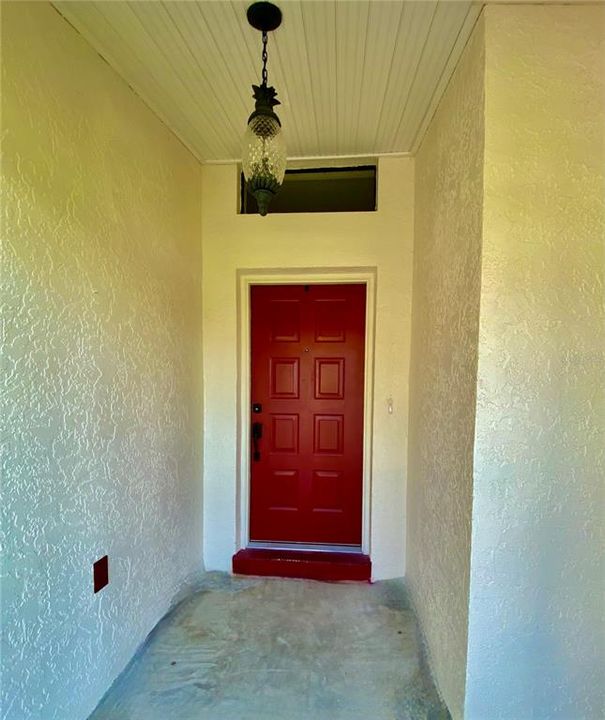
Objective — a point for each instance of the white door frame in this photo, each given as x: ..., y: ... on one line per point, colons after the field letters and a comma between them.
x: 299, y: 276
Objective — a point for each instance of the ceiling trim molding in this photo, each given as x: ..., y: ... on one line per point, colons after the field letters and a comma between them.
x: 369, y: 157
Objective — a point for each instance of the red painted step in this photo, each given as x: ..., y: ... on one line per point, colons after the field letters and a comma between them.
x: 311, y: 565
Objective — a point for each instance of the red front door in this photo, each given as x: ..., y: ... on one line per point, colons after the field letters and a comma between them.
x: 307, y: 406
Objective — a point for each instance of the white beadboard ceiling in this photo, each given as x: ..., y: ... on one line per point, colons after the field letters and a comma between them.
x: 354, y: 77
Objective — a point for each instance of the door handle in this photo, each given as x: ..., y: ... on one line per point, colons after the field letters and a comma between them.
x: 257, y: 433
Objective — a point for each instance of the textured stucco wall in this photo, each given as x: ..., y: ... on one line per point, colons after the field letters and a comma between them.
x: 381, y: 239
x: 536, y: 640
x: 445, y: 323
x: 102, y: 368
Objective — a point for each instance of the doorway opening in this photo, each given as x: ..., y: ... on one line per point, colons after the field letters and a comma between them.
x: 305, y: 393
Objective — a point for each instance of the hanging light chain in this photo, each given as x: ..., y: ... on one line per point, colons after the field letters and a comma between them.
x: 264, y: 56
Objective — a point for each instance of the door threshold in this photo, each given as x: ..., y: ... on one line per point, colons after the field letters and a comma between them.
x: 308, y: 547
x: 306, y: 564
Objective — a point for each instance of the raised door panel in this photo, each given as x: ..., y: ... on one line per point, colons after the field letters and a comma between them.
x: 284, y: 374
x: 284, y: 434
x: 329, y: 378
x: 328, y: 434
x: 284, y: 318
x: 330, y: 320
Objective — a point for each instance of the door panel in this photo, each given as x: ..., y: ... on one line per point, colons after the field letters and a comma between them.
x: 284, y: 378
x: 308, y: 377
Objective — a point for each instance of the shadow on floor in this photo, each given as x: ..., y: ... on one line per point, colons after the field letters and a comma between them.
x: 273, y: 649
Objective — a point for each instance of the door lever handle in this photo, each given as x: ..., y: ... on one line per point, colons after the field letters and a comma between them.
x: 257, y: 433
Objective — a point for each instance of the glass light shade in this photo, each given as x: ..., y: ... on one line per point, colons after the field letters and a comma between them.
x: 263, y: 159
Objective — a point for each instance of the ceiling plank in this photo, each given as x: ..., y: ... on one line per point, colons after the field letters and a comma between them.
x: 440, y: 41
x: 383, y: 28
x: 474, y: 11
x: 351, y: 38
x: 416, y: 23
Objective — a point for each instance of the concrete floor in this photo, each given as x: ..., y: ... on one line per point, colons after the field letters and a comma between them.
x: 265, y: 649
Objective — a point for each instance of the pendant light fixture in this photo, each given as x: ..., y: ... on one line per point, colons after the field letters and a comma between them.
x: 263, y: 149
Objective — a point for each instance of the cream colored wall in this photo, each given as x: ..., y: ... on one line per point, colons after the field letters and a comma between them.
x: 381, y: 239
x: 445, y: 324
x: 536, y: 640
x: 102, y: 368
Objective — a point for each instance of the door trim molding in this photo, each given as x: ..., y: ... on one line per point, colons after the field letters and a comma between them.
x: 299, y: 276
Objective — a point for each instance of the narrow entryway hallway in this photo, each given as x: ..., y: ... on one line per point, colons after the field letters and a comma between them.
x: 258, y: 649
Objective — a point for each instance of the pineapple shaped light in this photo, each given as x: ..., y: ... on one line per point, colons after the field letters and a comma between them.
x: 263, y: 149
